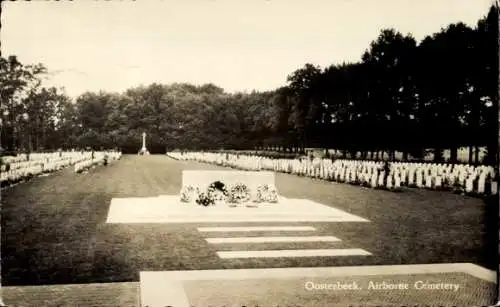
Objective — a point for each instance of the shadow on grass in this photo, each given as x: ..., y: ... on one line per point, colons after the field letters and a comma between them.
x: 491, y: 232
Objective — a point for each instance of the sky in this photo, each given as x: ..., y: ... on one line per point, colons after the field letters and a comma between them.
x: 239, y: 45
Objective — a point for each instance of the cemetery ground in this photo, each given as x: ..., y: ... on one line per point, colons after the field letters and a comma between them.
x: 54, y: 232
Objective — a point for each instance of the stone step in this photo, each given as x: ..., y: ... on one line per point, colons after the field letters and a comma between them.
x: 272, y: 239
x: 293, y: 253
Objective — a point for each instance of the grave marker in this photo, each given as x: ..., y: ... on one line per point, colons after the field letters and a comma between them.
x: 381, y: 179
x: 494, y: 187
x: 439, y: 182
x: 397, y: 182
x: 374, y: 180
x: 428, y: 181
x: 389, y: 182
x: 469, y: 185
x: 481, y: 183
x: 419, y: 180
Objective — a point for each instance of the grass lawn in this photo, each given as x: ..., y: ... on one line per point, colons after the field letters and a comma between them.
x: 54, y: 230
x: 89, y: 295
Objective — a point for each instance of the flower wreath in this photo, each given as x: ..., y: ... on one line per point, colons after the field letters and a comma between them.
x: 267, y: 193
x: 189, y: 194
x: 204, y: 199
x: 239, y: 193
x: 217, y: 192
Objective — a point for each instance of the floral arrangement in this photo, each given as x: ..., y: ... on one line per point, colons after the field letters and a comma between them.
x: 218, y: 192
x: 239, y: 193
x: 205, y: 200
x: 267, y: 193
x: 189, y: 194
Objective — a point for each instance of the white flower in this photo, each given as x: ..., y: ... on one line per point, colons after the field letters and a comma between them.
x: 267, y: 193
x: 239, y: 193
x: 217, y: 195
x: 189, y: 194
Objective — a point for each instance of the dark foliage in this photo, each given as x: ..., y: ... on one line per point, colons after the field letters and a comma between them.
x: 403, y: 95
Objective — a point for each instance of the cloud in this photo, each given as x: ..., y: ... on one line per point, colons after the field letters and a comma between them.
x: 68, y: 70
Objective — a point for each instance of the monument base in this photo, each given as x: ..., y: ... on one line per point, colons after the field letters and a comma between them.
x: 168, y: 209
x: 143, y: 152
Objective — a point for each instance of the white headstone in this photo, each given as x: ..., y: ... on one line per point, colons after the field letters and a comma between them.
x: 481, y: 183
x: 389, y: 182
x: 397, y: 182
x: 374, y: 180
x: 451, y: 179
x: 461, y: 178
x: 381, y: 179
x: 469, y: 185
x: 494, y: 187
x: 353, y: 175
x: 439, y: 182
x: 428, y: 181
x: 402, y: 176
x: 419, y: 180
x: 347, y: 175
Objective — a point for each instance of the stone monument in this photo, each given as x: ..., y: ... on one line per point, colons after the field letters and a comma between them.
x: 144, y: 150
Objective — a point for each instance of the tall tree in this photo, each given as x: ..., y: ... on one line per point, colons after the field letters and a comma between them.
x: 389, y: 63
x: 485, y: 80
x: 16, y: 80
x: 303, y: 84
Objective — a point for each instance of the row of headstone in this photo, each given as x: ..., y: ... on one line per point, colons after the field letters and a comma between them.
x: 47, y: 163
x: 462, y: 178
x: 15, y: 175
x: 37, y: 158
x: 39, y: 161
x: 96, y: 158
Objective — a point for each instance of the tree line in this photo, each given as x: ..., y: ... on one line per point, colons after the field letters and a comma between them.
x: 402, y: 95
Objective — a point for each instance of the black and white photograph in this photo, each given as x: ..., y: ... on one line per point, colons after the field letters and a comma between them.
x: 249, y: 153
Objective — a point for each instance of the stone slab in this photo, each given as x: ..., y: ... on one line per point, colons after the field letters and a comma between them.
x: 256, y: 228
x: 166, y: 288
x: 293, y: 239
x: 288, y: 253
x: 169, y: 209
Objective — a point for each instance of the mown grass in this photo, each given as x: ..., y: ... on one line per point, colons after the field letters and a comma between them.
x: 54, y: 230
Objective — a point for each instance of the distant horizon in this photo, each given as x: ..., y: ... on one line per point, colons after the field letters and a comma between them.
x: 106, y: 47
